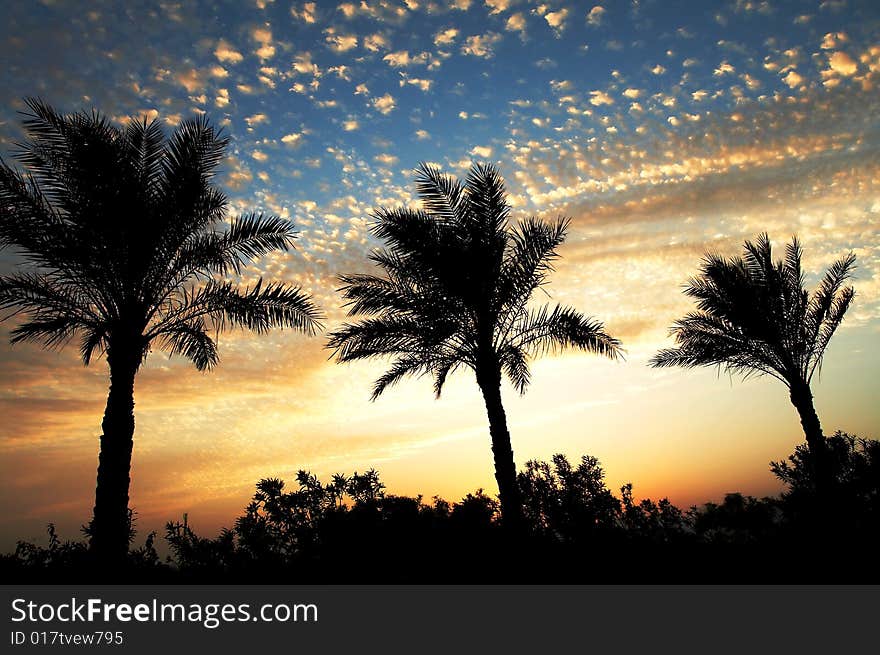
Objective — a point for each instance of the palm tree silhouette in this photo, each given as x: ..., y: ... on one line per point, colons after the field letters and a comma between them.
x: 754, y: 316
x: 458, y: 280
x: 119, y: 229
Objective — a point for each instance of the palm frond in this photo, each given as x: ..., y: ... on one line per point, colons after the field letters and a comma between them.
x: 823, y: 297
x: 249, y: 237
x: 755, y: 316
x: 441, y: 370
x: 144, y: 143
x: 704, y: 339
x: 515, y: 365
x: 258, y: 308
x: 36, y: 292
x: 28, y: 221
x: 92, y: 340
x: 833, y: 319
x: 442, y: 196
x: 191, y: 339
x: 370, y: 294
x: 401, y: 368
x: 528, y: 263
x: 379, y: 336
x: 546, y: 329
x: 51, y: 331
x: 487, y: 198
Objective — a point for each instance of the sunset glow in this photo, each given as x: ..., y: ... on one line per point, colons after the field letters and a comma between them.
x: 663, y: 129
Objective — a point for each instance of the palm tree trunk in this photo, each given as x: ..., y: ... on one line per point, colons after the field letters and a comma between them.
x: 802, y: 399
x: 505, y: 468
x: 111, y: 524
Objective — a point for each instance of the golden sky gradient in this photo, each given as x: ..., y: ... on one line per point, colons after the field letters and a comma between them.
x: 663, y: 136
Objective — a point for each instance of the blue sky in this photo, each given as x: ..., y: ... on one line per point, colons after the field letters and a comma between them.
x: 664, y: 129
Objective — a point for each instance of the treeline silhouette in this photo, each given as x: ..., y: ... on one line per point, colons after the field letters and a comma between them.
x: 350, y: 529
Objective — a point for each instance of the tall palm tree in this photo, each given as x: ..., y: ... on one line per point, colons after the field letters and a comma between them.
x: 754, y: 317
x: 455, y: 294
x: 121, y: 237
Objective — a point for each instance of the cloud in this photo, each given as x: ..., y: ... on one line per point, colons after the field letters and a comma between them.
x: 340, y: 42
x: 833, y: 40
x: 259, y: 155
x: 303, y: 64
x: 348, y: 9
x: 256, y: 119
x: 226, y: 53
x: 598, y: 98
x: 190, y: 79
x: 556, y: 19
x: 595, y: 15
x: 306, y: 13
x: 561, y: 85
x: 793, y: 80
x: 422, y: 135
x: 724, y: 68
x: 481, y: 45
x: 263, y: 36
x: 342, y: 72
x: 482, y: 152
x: 239, y: 175
x: 293, y: 139
x: 375, y: 42
x: 658, y: 70
x: 516, y: 23
x: 267, y: 73
x: 421, y: 83
x: 497, y: 6
x: 445, y: 37
x: 842, y: 64
x: 402, y: 59
x: 385, y: 159
x: 632, y: 93
x: 384, y: 104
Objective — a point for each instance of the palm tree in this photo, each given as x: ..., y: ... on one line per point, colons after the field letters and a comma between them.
x: 754, y: 317
x: 455, y: 294
x: 120, y: 231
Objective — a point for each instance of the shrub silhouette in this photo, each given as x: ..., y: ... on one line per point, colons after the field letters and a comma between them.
x: 854, y: 465
x: 738, y: 519
x: 349, y: 529
x: 568, y: 503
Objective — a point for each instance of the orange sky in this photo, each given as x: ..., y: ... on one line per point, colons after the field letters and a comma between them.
x: 662, y: 136
x: 276, y: 405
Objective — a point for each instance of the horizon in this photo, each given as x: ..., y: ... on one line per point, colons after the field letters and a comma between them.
x: 663, y: 134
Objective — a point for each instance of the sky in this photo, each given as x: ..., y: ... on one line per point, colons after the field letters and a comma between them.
x: 663, y: 129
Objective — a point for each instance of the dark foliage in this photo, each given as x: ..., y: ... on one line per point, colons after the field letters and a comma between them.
x: 855, y: 493
x: 349, y: 529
